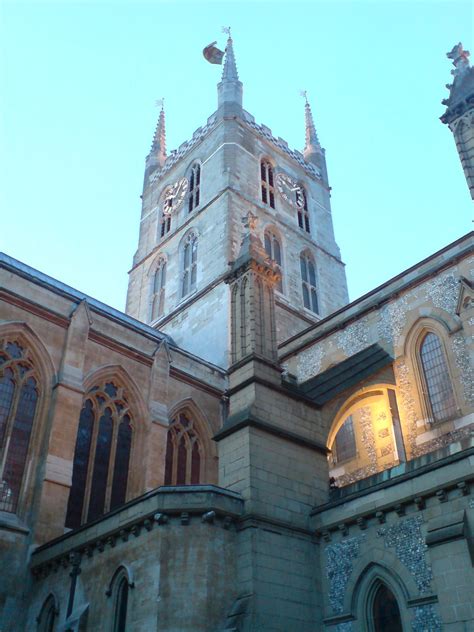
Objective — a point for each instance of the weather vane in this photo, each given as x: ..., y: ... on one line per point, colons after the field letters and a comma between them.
x: 226, y: 29
x: 304, y: 94
x: 160, y: 103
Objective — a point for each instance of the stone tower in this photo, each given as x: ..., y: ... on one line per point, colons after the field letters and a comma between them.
x: 459, y: 115
x: 191, y: 230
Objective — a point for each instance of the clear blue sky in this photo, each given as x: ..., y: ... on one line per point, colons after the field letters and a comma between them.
x: 78, y: 86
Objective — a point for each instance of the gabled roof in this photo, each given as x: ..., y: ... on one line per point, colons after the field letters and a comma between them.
x: 325, y: 386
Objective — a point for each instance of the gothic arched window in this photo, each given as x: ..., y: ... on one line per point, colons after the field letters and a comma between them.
x: 47, y: 616
x: 158, y: 290
x: 439, y: 388
x: 303, y: 213
x: 308, y: 281
x: 266, y: 183
x: 183, y: 461
x: 344, y: 446
x: 18, y: 404
x: 273, y: 250
x: 194, y: 187
x: 385, y: 613
x: 189, y: 274
x: 101, y: 456
x: 120, y: 606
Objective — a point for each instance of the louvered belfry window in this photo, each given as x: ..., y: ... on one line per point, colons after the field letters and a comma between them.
x: 438, y: 382
x: 189, y: 274
x: 303, y: 213
x: 101, y: 456
x: 19, y: 395
x: 194, y: 187
x: 266, y: 183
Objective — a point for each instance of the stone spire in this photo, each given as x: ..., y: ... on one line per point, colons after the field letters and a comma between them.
x: 158, y: 147
x: 312, y: 144
x: 230, y: 88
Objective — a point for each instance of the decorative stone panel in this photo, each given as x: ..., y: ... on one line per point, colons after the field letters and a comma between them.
x: 339, y: 559
x: 426, y: 618
x: 466, y: 370
x: 409, y: 544
x: 354, y: 338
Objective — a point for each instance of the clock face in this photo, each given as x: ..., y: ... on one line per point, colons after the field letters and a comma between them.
x: 174, y: 196
x: 290, y: 190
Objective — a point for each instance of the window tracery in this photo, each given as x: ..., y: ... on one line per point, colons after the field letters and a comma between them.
x: 19, y: 395
x: 189, y: 274
x: 344, y: 446
x: 308, y: 281
x: 101, y: 456
x: 273, y: 250
x: 184, y: 452
x: 266, y: 183
x: 158, y: 290
x: 194, y: 187
x: 439, y: 389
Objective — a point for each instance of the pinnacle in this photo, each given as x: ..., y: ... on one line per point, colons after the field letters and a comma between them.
x: 158, y: 147
x: 229, y: 72
x: 311, y: 136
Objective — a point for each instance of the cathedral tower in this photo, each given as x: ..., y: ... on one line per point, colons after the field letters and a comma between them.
x: 459, y: 115
x: 191, y: 231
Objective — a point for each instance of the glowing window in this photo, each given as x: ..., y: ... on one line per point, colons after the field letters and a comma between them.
x: 344, y: 447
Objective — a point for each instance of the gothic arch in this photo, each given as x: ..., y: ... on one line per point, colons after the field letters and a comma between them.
x: 367, y: 574
x: 49, y: 609
x: 45, y: 373
x: 446, y: 324
x: 205, y: 432
x: 124, y: 570
x: 191, y: 235
x: 160, y: 260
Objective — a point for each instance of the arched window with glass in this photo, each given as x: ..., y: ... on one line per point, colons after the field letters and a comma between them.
x: 119, y: 592
x: 437, y: 381
x: 194, y: 194
x: 158, y: 290
x: 266, y: 183
x: 302, y: 206
x: 19, y: 394
x: 273, y: 250
x: 47, y: 617
x: 101, y: 456
x: 184, y: 452
x: 344, y: 447
x: 189, y: 273
x: 308, y: 282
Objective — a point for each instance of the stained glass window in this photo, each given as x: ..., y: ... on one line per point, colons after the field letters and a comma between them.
x: 273, y: 250
x: 183, y: 452
x: 18, y: 403
x: 102, y: 455
x: 266, y: 182
x: 308, y: 280
x: 194, y: 187
x: 438, y: 382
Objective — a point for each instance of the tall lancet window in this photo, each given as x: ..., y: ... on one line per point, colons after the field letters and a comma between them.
x: 158, y: 290
x: 165, y: 221
x: 308, y: 282
x: 194, y: 187
x: 101, y: 456
x: 184, y: 456
x: 437, y: 379
x: 189, y: 275
x: 303, y: 213
x: 273, y: 250
x: 266, y: 182
x: 18, y: 403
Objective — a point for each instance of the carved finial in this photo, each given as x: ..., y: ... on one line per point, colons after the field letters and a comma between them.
x: 250, y: 221
x: 460, y: 59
